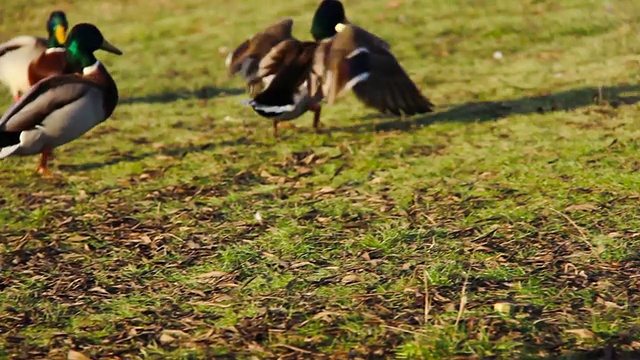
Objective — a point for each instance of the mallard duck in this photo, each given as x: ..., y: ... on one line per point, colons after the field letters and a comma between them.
x: 248, y: 56
x: 297, y: 75
x: 17, y: 53
x: 58, y: 60
x: 244, y: 60
x: 61, y: 108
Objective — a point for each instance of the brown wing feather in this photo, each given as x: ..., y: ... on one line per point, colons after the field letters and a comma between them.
x: 259, y: 45
x: 389, y: 80
x: 279, y: 57
x: 362, y: 37
x: 387, y: 88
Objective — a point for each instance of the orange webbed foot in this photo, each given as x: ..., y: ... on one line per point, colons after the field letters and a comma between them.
x: 42, y: 169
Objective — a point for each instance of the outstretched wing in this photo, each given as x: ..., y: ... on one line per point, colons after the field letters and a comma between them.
x: 246, y: 57
x: 362, y: 62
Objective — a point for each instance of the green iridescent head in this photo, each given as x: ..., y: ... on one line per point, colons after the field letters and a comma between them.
x: 57, y: 26
x: 329, y: 14
x: 83, y: 40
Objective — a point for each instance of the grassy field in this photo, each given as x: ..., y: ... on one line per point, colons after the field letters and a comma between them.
x: 505, y: 225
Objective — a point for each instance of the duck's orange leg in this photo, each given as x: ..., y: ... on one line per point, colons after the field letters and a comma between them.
x: 16, y: 97
x: 46, y: 155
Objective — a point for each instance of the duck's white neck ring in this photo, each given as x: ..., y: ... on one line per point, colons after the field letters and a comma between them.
x: 91, y: 69
x: 54, y: 50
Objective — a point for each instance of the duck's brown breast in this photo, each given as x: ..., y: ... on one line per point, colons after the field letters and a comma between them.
x: 49, y: 63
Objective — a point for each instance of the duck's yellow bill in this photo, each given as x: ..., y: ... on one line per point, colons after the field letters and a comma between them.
x: 340, y: 27
x: 110, y: 48
x: 60, y: 34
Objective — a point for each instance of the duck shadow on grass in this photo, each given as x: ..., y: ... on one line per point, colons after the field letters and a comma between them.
x: 203, y: 93
x: 493, y: 110
x: 176, y: 150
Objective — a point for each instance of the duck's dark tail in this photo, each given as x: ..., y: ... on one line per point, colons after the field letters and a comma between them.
x: 272, y: 106
x: 280, y: 95
x: 273, y: 101
x: 9, y: 143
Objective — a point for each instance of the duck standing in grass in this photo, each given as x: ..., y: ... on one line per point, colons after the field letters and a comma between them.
x: 61, y: 108
x: 17, y: 53
x: 293, y: 77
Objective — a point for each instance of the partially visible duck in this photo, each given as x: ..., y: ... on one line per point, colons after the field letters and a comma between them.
x: 61, y: 108
x: 17, y: 53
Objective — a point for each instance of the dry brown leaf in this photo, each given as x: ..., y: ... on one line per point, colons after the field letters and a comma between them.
x: 581, y: 207
x: 326, y: 316
x: 177, y: 333
x: 582, y: 333
x: 99, y: 290
x: 326, y: 190
x: 145, y: 239
x: 77, y: 237
x: 265, y: 174
x: 163, y: 157
x: 82, y: 195
x: 299, y: 264
x: 166, y: 338
x: 212, y: 274
x: 608, y: 304
x: 309, y: 159
x: 76, y: 355
x: 503, y: 307
x: 486, y: 175
x: 228, y: 285
x: 351, y: 278
x: 210, y: 303
x: 304, y: 170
